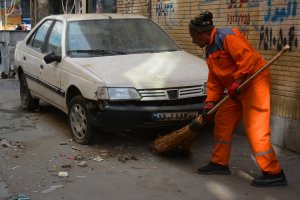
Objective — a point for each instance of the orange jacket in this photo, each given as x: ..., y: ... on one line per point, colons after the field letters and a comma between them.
x: 229, y: 56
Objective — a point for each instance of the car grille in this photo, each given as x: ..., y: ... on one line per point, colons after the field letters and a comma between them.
x: 193, y: 95
x: 172, y: 93
x: 178, y: 102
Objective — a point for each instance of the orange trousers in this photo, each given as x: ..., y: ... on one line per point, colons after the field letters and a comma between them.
x: 253, y: 107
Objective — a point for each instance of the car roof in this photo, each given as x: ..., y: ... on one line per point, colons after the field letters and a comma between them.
x: 92, y: 16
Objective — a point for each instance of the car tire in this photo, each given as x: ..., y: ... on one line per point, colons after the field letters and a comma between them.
x: 79, y: 121
x: 27, y: 102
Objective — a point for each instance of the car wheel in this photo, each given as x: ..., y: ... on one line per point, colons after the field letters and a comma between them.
x: 78, y: 118
x: 27, y: 102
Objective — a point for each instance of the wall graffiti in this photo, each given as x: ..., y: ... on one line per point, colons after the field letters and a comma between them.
x: 245, y: 30
x: 278, y: 13
x: 235, y: 3
x: 268, y: 41
x: 242, y: 20
x: 281, y: 13
x: 254, y: 3
x: 167, y: 9
x: 270, y: 37
x: 240, y: 3
x: 238, y: 19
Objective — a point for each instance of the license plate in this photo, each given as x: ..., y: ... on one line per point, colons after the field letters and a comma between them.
x: 172, y: 116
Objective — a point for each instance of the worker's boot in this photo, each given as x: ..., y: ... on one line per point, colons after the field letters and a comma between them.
x: 269, y: 180
x: 214, y: 168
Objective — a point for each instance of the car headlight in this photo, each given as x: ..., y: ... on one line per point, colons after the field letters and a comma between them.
x: 116, y: 94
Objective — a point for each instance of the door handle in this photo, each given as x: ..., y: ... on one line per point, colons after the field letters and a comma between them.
x: 42, y: 66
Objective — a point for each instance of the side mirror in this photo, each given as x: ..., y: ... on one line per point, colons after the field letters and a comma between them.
x: 51, y: 57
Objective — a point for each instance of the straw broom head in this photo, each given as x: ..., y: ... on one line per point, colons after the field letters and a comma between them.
x: 170, y: 142
x: 180, y: 140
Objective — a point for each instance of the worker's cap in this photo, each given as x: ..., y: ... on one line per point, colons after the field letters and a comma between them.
x: 202, y: 22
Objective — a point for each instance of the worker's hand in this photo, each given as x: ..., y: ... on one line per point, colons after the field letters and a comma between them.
x: 207, y: 107
x: 233, y: 90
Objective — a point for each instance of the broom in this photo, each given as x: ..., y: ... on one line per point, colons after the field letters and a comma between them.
x: 181, y: 140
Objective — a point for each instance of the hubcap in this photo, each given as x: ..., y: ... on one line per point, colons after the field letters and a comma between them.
x: 78, y: 121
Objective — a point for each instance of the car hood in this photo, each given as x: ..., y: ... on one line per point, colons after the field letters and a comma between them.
x: 148, y: 70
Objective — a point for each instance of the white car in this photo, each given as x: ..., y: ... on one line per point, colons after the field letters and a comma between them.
x: 111, y: 71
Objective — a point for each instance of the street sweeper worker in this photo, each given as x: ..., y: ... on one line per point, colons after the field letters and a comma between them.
x: 231, y: 60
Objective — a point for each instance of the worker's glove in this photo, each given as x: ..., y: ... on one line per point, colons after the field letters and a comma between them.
x: 207, y: 107
x: 233, y: 90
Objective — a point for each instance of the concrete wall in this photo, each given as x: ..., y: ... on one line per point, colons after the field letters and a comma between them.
x: 285, y: 132
x: 268, y: 24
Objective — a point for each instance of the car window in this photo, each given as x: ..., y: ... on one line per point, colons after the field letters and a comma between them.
x: 54, y: 41
x: 37, y: 39
x: 116, y: 36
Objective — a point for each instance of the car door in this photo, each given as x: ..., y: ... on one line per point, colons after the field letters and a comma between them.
x: 33, y: 56
x: 50, y: 76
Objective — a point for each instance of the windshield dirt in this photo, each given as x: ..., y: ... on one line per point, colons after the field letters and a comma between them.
x: 116, y: 36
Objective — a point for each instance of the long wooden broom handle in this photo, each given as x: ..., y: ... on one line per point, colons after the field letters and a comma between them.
x: 286, y: 47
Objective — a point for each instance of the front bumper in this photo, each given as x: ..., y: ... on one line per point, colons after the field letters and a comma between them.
x: 132, y: 117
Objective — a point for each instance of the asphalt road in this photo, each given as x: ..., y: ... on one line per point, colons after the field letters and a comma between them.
x: 36, y: 148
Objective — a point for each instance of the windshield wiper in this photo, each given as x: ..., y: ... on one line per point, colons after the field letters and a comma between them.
x: 159, y: 50
x: 166, y: 50
x: 97, y: 51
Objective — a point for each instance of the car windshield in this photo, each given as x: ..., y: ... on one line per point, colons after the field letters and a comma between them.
x: 116, y: 36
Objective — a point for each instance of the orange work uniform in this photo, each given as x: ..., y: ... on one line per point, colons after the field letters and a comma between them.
x: 229, y: 57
